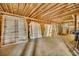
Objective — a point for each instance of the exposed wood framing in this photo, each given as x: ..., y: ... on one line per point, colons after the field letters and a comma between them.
x: 41, y: 11
x: 27, y: 18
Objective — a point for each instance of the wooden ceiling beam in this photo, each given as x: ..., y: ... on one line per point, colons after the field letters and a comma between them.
x: 27, y: 18
x: 15, y: 7
x: 53, y: 9
x: 52, y: 12
x: 1, y: 9
x: 6, y: 7
x: 39, y: 10
x: 61, y: 11
x: 11, y: 8
x: 67, y: 13
x: 26, y: 8
x: 45, y: 9
x: 67, y: 9
x: 34, y: 9
x: 21, y: 8
x: 30, y: 7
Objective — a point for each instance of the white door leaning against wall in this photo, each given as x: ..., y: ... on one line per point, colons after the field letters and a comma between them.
x: 35, y: 30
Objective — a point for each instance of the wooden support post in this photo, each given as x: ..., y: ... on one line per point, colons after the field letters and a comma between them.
x: 75, y: 28
x: 28, y: 22
x: 59, y: 27
x: 42, y: 28
x: 0, y: 29
x: 75, y: 24
x: 75, y: 18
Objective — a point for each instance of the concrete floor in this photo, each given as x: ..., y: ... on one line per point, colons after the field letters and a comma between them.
x: 49, y: 46
x: 53, y: 46
x: 12, y: 50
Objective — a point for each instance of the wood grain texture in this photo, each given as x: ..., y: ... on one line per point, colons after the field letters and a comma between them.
x: 41, y: 11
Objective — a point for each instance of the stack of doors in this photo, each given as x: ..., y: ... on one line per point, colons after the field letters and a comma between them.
x: 35, y: 30
x: 14, y: 29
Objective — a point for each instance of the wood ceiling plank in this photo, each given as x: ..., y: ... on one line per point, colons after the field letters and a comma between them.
x: 57, y: 9
x: 54, y: 7
x: 34, y: 9
x: 45, y: 9
x: 67, y: 9
x: 53, y: 10
x: 1, y: 9
x: 31, y: 8
x: 6, y: 7
x: 15, y: 7
x: 10, y: 7
x: 61, y: 11
x: 21, y: 8
x: 67, y: 13
x: 25, y: 9
x: 54, y: 13
x: 70, y: 7
x: 39, y: 10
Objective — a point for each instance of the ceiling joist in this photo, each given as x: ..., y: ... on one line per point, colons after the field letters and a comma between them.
x: 41, y: 11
